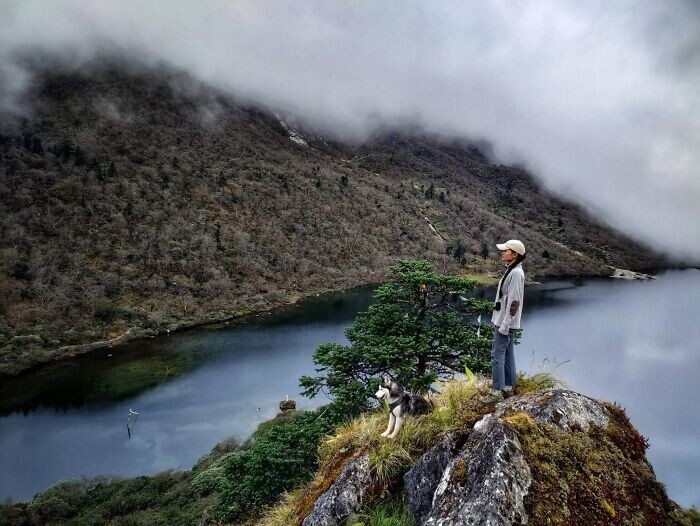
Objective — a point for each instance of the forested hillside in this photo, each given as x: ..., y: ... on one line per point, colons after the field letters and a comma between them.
x: 141, y: 199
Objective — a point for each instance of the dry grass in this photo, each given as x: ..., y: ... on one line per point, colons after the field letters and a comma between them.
x: 387, y: 462
x: 284, y: 513
x: 351, y: 437
x: 388, y: 458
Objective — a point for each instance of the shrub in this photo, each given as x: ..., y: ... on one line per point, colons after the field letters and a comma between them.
x: 278, y: 458
x: 107, y: 311
x: 209, y: 481
x: 62, y: 500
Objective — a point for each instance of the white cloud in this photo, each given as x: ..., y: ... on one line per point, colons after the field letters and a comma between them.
x: 599, y: 99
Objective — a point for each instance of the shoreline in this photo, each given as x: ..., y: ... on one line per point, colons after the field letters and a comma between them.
x: 137, y: 332
x: 141, y: 333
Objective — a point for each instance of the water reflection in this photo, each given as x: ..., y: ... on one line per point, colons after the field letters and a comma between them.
x: 69, y: 420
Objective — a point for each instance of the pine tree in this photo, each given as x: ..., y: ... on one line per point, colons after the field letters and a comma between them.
x: 416, y: 331
x: 484, y: 250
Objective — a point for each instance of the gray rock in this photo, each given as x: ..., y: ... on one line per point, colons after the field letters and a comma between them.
x: 420, y: 482
x: 344, y: 497
x: 485, y: 484
x: 565, y: 409
x: 621, y: 273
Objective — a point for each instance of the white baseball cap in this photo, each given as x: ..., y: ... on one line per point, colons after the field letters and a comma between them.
x: 514, y: 245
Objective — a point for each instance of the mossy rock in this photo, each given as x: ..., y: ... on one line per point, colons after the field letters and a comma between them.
x: 288, y: 405
x: 595, y: 477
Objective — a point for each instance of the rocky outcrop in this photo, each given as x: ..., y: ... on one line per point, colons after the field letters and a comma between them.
x: 551, y: 456
x: 423, y: 479
x: 565, y: 409
x: 485, y: 482
x: 288, y: 405
x: 344, y: 497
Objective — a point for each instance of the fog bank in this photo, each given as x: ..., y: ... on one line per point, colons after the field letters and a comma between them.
x: 599, y: 100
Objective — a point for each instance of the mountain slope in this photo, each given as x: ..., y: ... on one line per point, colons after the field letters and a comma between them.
x: 141, y: 199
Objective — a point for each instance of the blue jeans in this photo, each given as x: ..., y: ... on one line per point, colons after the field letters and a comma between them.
x: 503, y: 370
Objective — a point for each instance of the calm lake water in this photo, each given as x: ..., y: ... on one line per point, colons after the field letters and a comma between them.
x: 637, y: 343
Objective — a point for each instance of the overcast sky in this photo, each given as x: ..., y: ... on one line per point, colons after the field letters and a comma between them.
x: 599, y: 99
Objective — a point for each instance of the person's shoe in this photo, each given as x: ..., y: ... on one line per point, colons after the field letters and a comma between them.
x: 496, y: 395
x: 507, y: 392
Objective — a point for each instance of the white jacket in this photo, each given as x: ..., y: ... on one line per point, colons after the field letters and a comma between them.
x: 513, y: 290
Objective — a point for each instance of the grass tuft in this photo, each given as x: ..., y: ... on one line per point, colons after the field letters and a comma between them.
x: 386, y: 513
x: 537, y: 382
x: 284, y: 513
x: 388, y: 462
x: 460, y: 404
x: 350, y: 438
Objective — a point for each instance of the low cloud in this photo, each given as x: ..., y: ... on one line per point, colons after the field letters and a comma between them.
x: 599, y: 100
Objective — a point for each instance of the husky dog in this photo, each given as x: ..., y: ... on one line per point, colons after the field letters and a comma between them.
x: 400, y: 404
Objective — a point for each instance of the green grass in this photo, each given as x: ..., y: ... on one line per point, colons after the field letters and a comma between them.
x: 483, y: 279
x: 691, y: 517
x: 537, y: 382
x: 385, y: 513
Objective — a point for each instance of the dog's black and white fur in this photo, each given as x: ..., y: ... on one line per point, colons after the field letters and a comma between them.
x: 401, y: 404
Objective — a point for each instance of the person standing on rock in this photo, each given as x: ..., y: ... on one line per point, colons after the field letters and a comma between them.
x: 506, y: 317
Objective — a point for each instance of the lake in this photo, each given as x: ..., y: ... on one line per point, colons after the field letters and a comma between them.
x: 636, y: 343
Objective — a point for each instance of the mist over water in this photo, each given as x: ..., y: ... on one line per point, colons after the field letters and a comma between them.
x: 599, y: 100
x: 622, y: 341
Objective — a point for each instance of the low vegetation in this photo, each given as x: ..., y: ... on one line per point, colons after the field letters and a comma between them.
x: 385, y: 513
x: 233, y: 481
x: 456, y: 408
x: 278, y: 458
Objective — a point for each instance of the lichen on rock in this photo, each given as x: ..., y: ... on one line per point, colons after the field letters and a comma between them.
x: 421, y: 481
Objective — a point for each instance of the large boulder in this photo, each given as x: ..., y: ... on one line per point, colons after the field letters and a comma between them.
x: 485, y: 483
x: 489, y: 479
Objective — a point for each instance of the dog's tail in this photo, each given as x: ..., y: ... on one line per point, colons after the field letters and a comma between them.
x: 421, y: 405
